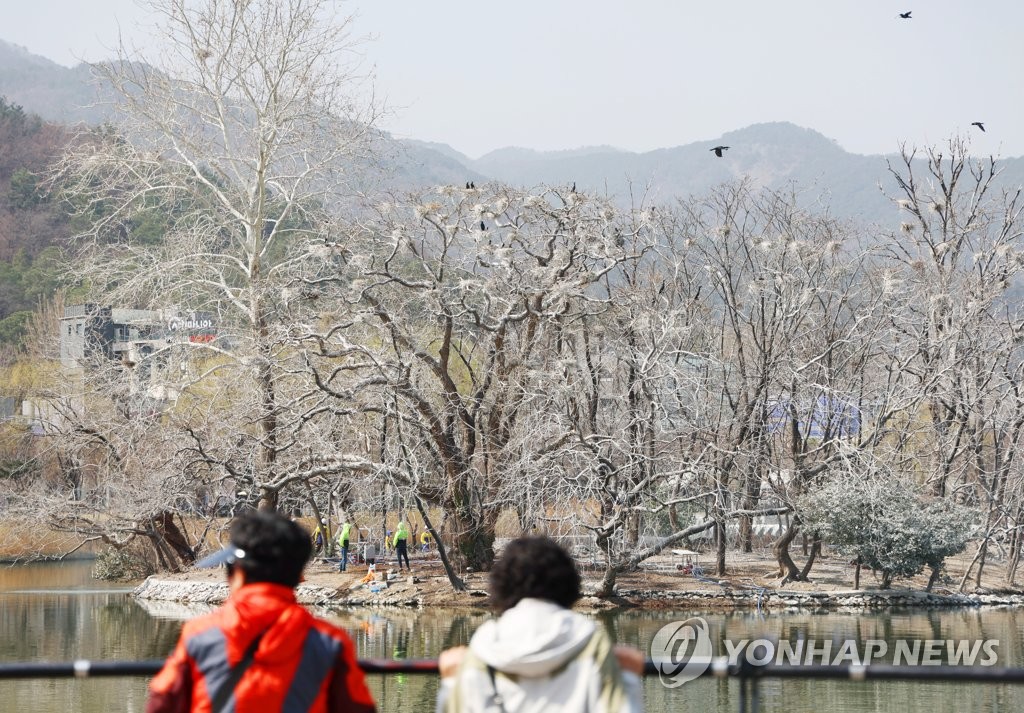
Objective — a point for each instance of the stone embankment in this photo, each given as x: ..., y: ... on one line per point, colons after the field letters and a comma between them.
x: 410, y: 592
x: 400, y: 593
x: 840, y: 599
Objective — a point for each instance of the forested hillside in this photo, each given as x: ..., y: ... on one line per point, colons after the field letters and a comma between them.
x: 31, y: 224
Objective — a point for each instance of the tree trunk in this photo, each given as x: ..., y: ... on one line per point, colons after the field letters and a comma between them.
x: 815, y: 551
x: 970, y: 568
x: 934, y: 577
x: 161, y: 555
x: 983, y: 552
x: 268, y: 409
x: 886, y: 579
x: 268, y: 500
x: 474, y: 543
x: 329, y: 545
x: 175, y: 539
x: 856, y: 574
x: 632, y: 530
x: 751, y: 498
x: 746, y: 525
x: 787, y: 567
x: 673, y: 518
x: 1011, y: 568
x: 474, y: 536
x: 325, y: 529
x: 1015, y: 542
x: 457, y: 584
x: 384, y: 516
x: 673, y: 515
x: 720, y: 547
x: 607, y: 586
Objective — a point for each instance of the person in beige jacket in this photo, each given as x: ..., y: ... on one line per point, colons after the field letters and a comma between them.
x: 538, y: 655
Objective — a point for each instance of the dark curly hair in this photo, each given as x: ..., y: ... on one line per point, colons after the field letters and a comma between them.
x: 276, y: 549
x: 535, y: 567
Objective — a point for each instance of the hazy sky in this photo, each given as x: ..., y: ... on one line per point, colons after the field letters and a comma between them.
x: 647, y: 74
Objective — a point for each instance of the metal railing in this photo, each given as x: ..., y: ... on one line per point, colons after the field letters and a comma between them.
x: 107, y: 669
x: 748, y: 675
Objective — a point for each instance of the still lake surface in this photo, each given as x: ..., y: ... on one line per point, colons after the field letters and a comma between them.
x: 56, y: 612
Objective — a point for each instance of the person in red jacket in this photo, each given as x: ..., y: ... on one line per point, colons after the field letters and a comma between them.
x: 261, y: 651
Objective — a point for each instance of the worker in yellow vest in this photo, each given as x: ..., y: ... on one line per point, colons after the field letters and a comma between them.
x: 343, y: 535
x: 320, y: 535
x: 401, y: 543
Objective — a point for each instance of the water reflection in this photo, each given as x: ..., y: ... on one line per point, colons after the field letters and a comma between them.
x: 423, y: 634
x: 405, y: 634
x: 57, y: 613
x: 841, y: 697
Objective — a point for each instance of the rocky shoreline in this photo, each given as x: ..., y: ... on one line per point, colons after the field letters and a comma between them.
x: 848, y: 599
x: 397, y: 594
x: 409, y: 592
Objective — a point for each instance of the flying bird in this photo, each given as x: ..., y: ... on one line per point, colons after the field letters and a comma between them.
x: 978, y: 124
x: 719, y: 149
x: 905, y: 15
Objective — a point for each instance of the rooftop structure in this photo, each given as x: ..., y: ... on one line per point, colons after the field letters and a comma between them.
x: 147, y: 342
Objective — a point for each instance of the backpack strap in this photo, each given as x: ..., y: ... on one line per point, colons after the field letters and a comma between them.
x: 495, y: 696
x: 220, y: 698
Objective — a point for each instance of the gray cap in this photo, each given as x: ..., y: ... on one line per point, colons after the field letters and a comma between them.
x: 228, y: 555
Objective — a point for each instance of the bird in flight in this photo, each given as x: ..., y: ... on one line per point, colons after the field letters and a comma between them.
x: 719, y: 149
x: 978, y: 124
x: 905, y: 15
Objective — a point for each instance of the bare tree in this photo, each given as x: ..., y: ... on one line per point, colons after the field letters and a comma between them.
x: 239, y: 135
x: 462, y: 298
x: 779, y: 370
x: 102, y: 468
x: 957, y: 343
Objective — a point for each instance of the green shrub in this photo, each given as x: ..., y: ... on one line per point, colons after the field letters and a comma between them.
x: 881, y: 519
x: 121, y: 564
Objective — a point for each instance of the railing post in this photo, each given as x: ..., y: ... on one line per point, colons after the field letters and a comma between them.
x: 748, y: 674
x: 743, y: 692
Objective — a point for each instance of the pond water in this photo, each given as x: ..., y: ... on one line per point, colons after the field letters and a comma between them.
x: 57, y: 612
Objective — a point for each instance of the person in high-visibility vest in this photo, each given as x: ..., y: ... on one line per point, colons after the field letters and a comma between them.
x: 425, y: 540
x: 346, y: 528
x: 320, y: 534
x: 401, y: 543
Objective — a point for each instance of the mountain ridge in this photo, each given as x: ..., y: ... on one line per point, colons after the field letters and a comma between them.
x: 773, y: 154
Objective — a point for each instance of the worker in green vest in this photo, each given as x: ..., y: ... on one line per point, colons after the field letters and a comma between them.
x: 401, y: 543
x: 346, y: 528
